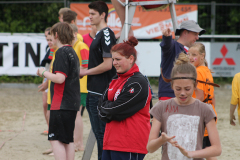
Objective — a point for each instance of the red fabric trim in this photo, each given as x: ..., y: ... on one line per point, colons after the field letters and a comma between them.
x: 57, y: 96
x: 51, y: 54
x: 61, y: 73
x: 164, y: 98
x: 85, y: 55
x: 67, y: 45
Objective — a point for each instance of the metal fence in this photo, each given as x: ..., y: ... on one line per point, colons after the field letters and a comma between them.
x: 221, y: 20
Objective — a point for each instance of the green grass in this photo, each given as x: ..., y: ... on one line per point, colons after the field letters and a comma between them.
x: 153, y: 80
x: 20, y: 79
x: 37, y: 80
x: 223, y: 80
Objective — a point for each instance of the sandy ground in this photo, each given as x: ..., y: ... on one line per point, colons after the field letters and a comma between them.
x: 22, y: 122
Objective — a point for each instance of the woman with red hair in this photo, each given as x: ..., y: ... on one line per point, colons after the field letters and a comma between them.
x: 124, y: 106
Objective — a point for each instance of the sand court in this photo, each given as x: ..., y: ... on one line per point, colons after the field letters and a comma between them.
x: 21, y: 107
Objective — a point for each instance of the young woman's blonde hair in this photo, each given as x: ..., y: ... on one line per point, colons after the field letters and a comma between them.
x: 201, y: 50
x: 182, y: 65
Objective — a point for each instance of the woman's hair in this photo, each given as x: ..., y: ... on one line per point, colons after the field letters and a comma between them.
x: 64, y: 32
x: 201, y: 50
x: 182, y: 65
x: 127, y: 48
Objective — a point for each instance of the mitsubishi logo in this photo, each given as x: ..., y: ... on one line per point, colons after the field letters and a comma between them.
x: 224, y: 51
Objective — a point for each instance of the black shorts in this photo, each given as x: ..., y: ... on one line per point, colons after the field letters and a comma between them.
x: 61, y: 125
x: 206, y: 142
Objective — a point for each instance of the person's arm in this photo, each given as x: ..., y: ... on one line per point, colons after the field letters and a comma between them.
x: 214, y: 101
x: 121, y: 14
x: 200, y: 86
x: 232, y: 116
x: 61, y: 65
x: 212, y: 151
x: 154, y: 141
x: 84, y: 52
x: 43, y: 86
x: 56, y: 78
x: 127, y: 103
x: 199, y: 94
x: 166, y: 44
x: 234, y: 98
x: 103, y: 116
x: 106, y: 65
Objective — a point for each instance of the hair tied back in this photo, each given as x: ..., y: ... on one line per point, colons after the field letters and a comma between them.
x: 132, y: 41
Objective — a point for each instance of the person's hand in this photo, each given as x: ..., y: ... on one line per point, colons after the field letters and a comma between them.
x: 167, y: 32
x: 166, y: 138
x: 183, y: 151
x: 83, y: 72
x: 232, y: 117
x: 43, y: 86
x: 40, y: 71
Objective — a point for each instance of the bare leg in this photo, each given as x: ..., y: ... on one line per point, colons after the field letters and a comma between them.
x: 70, y: 151
x: 45, y: 105
x: 48, y: 151
x: 121, y: 14
x: 48, y: 116
x: 59, y: 150
x: 63, y: 151
x: 78, y: 132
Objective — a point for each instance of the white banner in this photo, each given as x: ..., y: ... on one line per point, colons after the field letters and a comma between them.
x: 149, y: 57
x: 21, y: 55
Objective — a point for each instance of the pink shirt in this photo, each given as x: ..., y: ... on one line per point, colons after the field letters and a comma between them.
x: 87, y: 39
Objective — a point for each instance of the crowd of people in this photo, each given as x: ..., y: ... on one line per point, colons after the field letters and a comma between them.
x: 93, y: 72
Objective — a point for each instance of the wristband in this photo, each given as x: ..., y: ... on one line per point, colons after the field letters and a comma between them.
x: 43, y: 72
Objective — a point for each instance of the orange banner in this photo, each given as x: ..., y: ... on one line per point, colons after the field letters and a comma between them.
x: 145, y: 24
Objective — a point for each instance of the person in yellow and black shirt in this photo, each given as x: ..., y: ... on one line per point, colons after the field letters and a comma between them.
x: 235, y: 98
x: 82, y: 52
x: 205, y: 90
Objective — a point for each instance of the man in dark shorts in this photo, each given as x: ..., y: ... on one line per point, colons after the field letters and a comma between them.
x: 65, y: 92
x: 100, y: 69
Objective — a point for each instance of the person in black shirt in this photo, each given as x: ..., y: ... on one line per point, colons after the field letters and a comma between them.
x: 65, y: 92
x: 100, y: 69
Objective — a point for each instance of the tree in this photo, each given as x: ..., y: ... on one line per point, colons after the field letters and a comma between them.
x: 28, y: 17
x: 35, y: 17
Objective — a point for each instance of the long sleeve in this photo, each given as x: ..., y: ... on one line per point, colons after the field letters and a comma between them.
x: 167, y: 45
x: 131, y: 99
